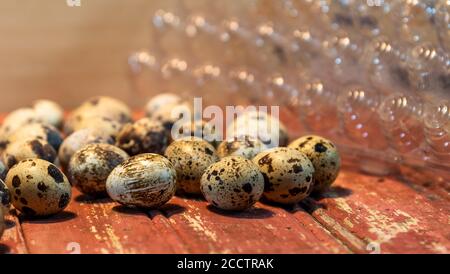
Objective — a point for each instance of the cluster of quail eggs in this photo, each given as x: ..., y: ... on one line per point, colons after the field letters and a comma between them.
x: 99, y: 149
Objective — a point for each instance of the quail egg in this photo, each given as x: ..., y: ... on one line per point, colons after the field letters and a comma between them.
x: 201, y: 129
x: 146, y: 180
x: 190, y: 156
x: 161, y: 100
x: 107, y: 107
x: 104, y: 124
x: 97, y: 109
x: 324, y: 156
x: 49, y: 112
x: 28, y: 149
x: 3, y: 170
x: 2, y: 222
x: 288, y: 174
x: 245, y: 146
x: 78, y: 140
x: 5, y: 197
x: 16, y: 120
x: 233, y: 183
x: 144, y: 136
x: 90, y: 166
x: 270, y: 130
x: 169, y: 114
x: 38, y: 131
x: 38, y: 188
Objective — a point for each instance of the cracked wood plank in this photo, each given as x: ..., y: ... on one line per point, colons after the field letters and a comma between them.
x: 99, y: 226
x: 262, y: 229
x: 13, y: 240
x: 384, y: 213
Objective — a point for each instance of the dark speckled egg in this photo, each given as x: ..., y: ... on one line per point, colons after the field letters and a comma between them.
x: 49, y: 112
x: 288, y: 174
x: 161, y: 100
x: 233, y: 183
x: 78, y: 140
x: 201, y: 129
x: 38, y: 188
x: 40, y: 131
x: 245, y: 146
x: 146, y: 180
x: 90, y: 167
x: 269, y: 129
x: 144, y: 136
x: 190, y: 156
x: 324, y: 156
x: 5, y: 197
x: 14, y: 121
x: 28, y: 149
x: 3, y: 170
x: 2, y: 223
x: 101, y: 111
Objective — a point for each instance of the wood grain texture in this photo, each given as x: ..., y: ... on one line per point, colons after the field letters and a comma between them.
x: 364, y: 210
x: 360, y: 214
x: 13, y: 240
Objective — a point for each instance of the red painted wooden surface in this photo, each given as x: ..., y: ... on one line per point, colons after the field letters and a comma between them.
x: 360, y: 214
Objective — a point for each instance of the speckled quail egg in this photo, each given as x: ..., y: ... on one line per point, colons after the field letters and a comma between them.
x: 38, y: 188
x: 161, y: 100
x: 3, y: 170
x: 49, y: 112
x: 5, y: 197
x: 107, y: 107
x: 233, y: 183
x: 78, y: 140
x: 324, y: 156
x: 104, y: 124
x: 97, y: 108
x: 270, y: 130
x: 2, y: 222
x: 16, y: 120
x: 144, y: 136
x: 288, y: 174
x: 28, y: 149
x: 146, y: 180
x: 190, y: 156
x: 245, y: 146
x: 201, y: 129
x: 90, y: 167
x: 169, y: 114
x: 38, y: 131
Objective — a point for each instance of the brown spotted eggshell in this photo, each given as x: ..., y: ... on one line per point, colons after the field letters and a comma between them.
x: 40, y: 131
x: 245, y: 146
x: 49, y: 112
x: 38, y: 188
x: 161, y: 100
x: 288, y: 175
x: 146, y: 180
x: 2, y: 223
x: 15, y: 120
x: 90, y: 167
x: 233, y: 183
x: 28, y: 149
x: 78, y: 140
x: 5, y: 197
x: 97, y: 110
x: 201, y: 129
x: 324, y: 156
x: 190, y: 156
x: 144, y: 136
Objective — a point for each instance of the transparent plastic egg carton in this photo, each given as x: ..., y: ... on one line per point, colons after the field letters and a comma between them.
x: 371, y: 75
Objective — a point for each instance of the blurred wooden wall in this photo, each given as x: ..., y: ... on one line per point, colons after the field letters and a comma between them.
x: 51, y: 50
